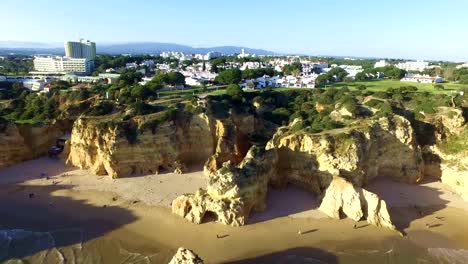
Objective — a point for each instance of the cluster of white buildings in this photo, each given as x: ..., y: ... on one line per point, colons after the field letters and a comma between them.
x: 418, y: 78
x: 197, y: 78
x: 306, y: 81
x: 79, y: 59
x: 182, y: 56
x: 407, y: 66
x: 413, y: 65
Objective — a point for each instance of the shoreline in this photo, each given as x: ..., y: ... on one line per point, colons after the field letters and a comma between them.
x: 147, y: 223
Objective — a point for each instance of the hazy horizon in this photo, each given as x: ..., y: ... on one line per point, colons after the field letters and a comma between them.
x: 428, y: 30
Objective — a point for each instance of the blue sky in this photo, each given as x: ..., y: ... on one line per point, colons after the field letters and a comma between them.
x: 419, y: 29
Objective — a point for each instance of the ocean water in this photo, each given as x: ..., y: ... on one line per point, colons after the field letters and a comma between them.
x: 67, y: 246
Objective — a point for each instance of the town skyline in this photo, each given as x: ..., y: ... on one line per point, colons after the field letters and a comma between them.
x: 358, y: 29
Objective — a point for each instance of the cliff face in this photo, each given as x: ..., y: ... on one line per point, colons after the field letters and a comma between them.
x: 40, y: 138
x: 13, y: 147
x: 447, y: 158
x: 312, y: 161
x: 171, y: 146
x: 385, y: 148
x: 106, y: 149
x: 230, y: 140
x: 23, y: 142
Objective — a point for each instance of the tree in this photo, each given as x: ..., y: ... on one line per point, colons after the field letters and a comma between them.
x: 130, y: 77
x: 294, y: 67
x: 361, y: 77
x: 230, y: 76
x: 322, y: 79
x: 141, y: 92
x: 392, y: 72
x: 338, y: 72
x: 175, y: 78
x: 234, y: 90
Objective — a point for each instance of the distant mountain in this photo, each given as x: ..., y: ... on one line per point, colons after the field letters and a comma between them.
x: 29, y: 48
x: 28, y: 45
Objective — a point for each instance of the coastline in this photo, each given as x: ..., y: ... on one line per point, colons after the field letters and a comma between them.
x: 143, y: 221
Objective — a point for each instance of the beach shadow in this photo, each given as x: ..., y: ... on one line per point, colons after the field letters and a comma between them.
x: 293, y: 256
x: 51, y: 218
x: 309, y: 231
x: 362, y: 226
x: 409, y: 202
x: 284, y: 202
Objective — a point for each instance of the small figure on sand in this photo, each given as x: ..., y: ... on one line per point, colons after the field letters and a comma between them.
x: 428, y: 225
x: 299, y: 232
x: 355, y: 226
x: 31, y: 195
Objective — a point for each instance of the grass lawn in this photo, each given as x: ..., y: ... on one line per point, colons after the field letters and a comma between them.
x: 383, y: 85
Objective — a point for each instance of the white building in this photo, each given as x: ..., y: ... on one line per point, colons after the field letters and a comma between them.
x: 464, y: 65
x: 61, y: 65
x: 418, y: 78
x: 34, y: 85
x: 352, y: 70
x: 82, y: 49
x: 381, y: 63
x: 131, y: 65
x: 147, y: 63
x: 213, y: 55
x: 413, y: 65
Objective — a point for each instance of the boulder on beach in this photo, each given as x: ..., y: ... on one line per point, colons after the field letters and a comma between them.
x: 185, y: 256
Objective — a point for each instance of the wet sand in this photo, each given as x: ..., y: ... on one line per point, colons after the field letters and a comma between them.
x: 134, y: 214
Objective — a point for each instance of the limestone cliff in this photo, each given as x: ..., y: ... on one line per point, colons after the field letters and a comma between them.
x: 383, y: 147
x: 230, y: 136
x: 447, y: 158
x: 20, y: 142
x: 13, y: 147
x: 108, y: 148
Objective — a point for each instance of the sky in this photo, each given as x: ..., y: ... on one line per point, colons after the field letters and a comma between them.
x: 416, y: 29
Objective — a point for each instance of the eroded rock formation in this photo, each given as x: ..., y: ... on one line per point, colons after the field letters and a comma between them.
x: 230, y: 140
x: 232, y: 192
x: 384, y: 147
x: 342, y: 197
x: 185, y: 256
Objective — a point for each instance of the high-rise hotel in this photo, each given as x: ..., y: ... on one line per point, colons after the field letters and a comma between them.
x: 83, y: 49
x: 79, y: 59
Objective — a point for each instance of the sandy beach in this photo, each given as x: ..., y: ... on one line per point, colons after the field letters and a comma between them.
x: 44, y: 195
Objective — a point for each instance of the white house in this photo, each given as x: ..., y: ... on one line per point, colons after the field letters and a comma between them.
x: 417, y: 78
x: 131, y: 65
x: 381, y: 63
